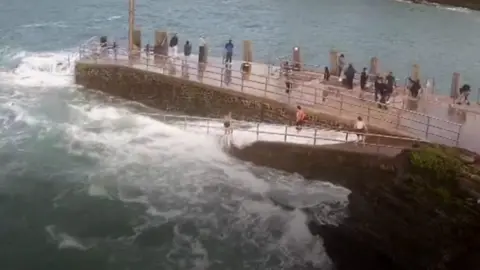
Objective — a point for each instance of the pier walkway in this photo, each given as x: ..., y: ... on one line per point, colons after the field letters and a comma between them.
x: 309, y: 91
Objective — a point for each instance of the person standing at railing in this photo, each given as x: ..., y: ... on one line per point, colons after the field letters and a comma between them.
x: 187, y: 51
x: 361, y: 128
x: 326, y: 74
x: 227, y: 124
x: 349, y: 76
x: 202, y: 50
x: 363, y: 78
x: 300, y: 118
x: 341, y: 66
x: 415, y: 87
x: 173, y: 46
x: 229, y: 52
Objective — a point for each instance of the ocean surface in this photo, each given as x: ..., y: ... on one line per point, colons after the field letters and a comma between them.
x: 91, y: 182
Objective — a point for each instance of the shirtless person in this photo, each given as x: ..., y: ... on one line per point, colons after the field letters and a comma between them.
x: 300, y: 119
x: 361, y: 128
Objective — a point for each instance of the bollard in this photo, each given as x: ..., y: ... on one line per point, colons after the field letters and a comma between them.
x: 247, y: 58
x: 160, y: 49
x: 334, y: 63
x: 202, y: 50
x: 374, y: 69
x: 137, y: 45
x: 297, y: 59
x: 247, y: 51
x: 455, y: 86
x: 415, y: 75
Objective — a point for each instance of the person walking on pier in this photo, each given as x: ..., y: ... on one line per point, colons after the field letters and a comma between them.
x: 228, y: 52
x: 391, y: 84
x: 361, y: 129
x: 173, y: 46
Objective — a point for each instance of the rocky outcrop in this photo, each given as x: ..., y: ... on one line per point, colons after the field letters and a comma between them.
x: 470, y: 4
x: 415, y: 210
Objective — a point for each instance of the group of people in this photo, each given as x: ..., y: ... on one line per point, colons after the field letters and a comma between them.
x: 187, y: 49
x: 300, y: 121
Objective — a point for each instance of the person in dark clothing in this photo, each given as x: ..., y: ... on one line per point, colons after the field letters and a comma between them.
x: 187, y: 50
x: 228, y: 51
x: 383, y: 91
x: 326, y: 74
x: 349, y: 76
x: 173, y: 45
x: 464, y: 93
x: 391, y: 84
x: 363, y: 79
x: 415, y: 87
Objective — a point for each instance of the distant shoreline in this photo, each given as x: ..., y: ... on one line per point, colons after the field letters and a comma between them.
x: 470, y: 4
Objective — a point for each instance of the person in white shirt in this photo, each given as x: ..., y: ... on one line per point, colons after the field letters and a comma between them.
x: 361, y: 128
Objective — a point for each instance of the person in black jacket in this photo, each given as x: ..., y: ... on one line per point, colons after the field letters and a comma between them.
x: 187, y: 50
x: 173, y: 46
x: 363, y: 79
x: 415, y: 87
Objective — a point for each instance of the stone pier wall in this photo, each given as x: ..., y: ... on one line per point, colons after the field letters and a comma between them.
x: 173, y: 94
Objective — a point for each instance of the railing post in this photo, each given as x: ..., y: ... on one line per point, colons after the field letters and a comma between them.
x: 315, y: 136
x: 221, y: 76
x: 428, y: 127
x: 478, y: 95
x: 258, y: 127
x: 285, y: 138
x: 368, y: 114
x: 346, y: 137
x: 341, y: 104
x: 458, y: 135
x: 315, y: 96
x: 378, y: 143
x: 243, y: 78
x: 185, y: 123
x: 208, y: 126
x: 398, y: 117
x: 266, y: 86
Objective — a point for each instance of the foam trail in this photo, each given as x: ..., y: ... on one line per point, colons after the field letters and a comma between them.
x: 54, y: 69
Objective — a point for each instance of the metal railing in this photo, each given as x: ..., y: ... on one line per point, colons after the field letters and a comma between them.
x: 319, y: 97
x: 185, y: 122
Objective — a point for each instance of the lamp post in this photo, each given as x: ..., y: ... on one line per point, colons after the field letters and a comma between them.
x: 131, y: 25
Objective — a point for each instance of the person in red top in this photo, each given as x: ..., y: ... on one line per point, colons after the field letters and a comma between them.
x: 300, y: 120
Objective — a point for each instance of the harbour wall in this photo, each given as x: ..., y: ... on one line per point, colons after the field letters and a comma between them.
x: 173, y: 94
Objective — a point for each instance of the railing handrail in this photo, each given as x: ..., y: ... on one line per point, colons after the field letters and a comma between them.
x: 221, y: 120
x: 385, y: 113
x: 189, y: 121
